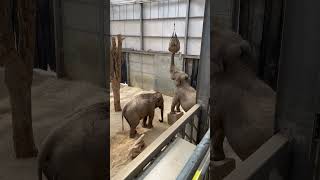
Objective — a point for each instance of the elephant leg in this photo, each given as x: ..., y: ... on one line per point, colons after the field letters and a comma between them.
x: 178, y: 107
x: 144, y: 122
x: 218, y: 138
x: 175, y: 101
x: 151, y: 115
x: 133, y: 132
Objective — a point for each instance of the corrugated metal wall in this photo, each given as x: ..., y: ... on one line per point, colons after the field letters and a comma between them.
x: 151, y: 72
x: 158, y: 24
x: 149, y: 34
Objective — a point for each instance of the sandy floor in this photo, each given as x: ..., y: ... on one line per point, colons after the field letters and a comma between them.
x: 120, y: 141
x: 52, y: 100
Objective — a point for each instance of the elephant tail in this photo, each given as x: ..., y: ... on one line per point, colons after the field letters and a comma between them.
x: 122, y: 122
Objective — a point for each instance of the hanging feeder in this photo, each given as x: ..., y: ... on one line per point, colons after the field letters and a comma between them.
x: 174, y: 44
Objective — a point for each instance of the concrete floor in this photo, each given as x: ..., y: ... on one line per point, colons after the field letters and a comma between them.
x: 120, y: 141
x: 52, y: 99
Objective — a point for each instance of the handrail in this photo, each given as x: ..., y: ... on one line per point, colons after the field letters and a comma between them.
x: 137, y: 164
x: 272, y: 154
x: 194, y: 161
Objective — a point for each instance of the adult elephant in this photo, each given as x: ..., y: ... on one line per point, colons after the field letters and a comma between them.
x: 142, y: 107
x: 185, y: 95
x: 78, y: 148
x: 244, y: 106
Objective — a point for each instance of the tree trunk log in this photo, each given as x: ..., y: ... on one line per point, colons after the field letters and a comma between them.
x: 116, y: 58
x: 116, y: 95
x: 18, y: 63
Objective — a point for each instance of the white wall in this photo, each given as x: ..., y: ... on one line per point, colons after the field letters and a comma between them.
x: 157, y: 31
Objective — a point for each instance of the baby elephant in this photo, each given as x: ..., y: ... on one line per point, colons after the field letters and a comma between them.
x: 141, y: 107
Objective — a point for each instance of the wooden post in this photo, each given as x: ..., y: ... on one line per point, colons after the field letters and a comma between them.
x: 17, y: 50
x: 116, y: 57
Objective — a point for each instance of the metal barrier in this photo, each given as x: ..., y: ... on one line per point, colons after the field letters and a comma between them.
x: 270, y: 161
x: 195, y: 160
x: 141, y: 162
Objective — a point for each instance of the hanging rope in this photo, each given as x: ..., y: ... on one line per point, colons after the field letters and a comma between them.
x: 174, y: 44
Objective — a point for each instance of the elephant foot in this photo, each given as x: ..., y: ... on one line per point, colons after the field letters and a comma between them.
x: 132, y: 133
x: 219, y: 156
x: 150, y: 126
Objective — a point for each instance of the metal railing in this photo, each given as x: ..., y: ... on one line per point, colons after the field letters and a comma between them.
x: 270, y: 161
x: 191, y: 168
x: 141, y: 162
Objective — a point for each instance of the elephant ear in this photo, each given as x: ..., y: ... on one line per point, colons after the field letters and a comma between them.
x: 180, y: 78
x: 158, y: 95
x: 238, y: 50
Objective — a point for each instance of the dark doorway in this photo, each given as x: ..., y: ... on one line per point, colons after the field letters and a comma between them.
x: 191, y: 68
x: 260, y: 23
x: 124, y: 78
x: 45, y: 51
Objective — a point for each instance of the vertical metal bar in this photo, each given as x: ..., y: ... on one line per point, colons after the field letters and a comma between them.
x: 104, y: 52
x: 141, y: 69
x: 58, y: 34
x: 158, y: 9
x: 186, y: 31
x: 150, y: 10
x: 133, y: 10
x: 203, y: 82
x: 128, y: 68
x: 141, y: 27
x: 126, y: 12
x: 191, y: 131
x: 236, y: 15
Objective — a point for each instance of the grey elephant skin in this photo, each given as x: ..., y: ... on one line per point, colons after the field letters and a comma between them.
x: 243, y: 105
x: 140, y: 107
x: 185, y: 95
x: 77, y: 150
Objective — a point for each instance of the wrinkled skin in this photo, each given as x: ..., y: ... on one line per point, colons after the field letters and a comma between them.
x: 244, y: 106
x: 78, y: 148
x: 142, y: 107
x: 185, y: 95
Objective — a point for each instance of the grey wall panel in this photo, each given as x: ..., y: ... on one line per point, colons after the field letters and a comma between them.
x: 160, y: 44
x: 194, y: 46
x: 75, y: 17
x: 83, y: 32
x: 151, y: 72
x: 175, y: 9
x: 197, y: 8
x: 195, y: 27
x: 132, y: 42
